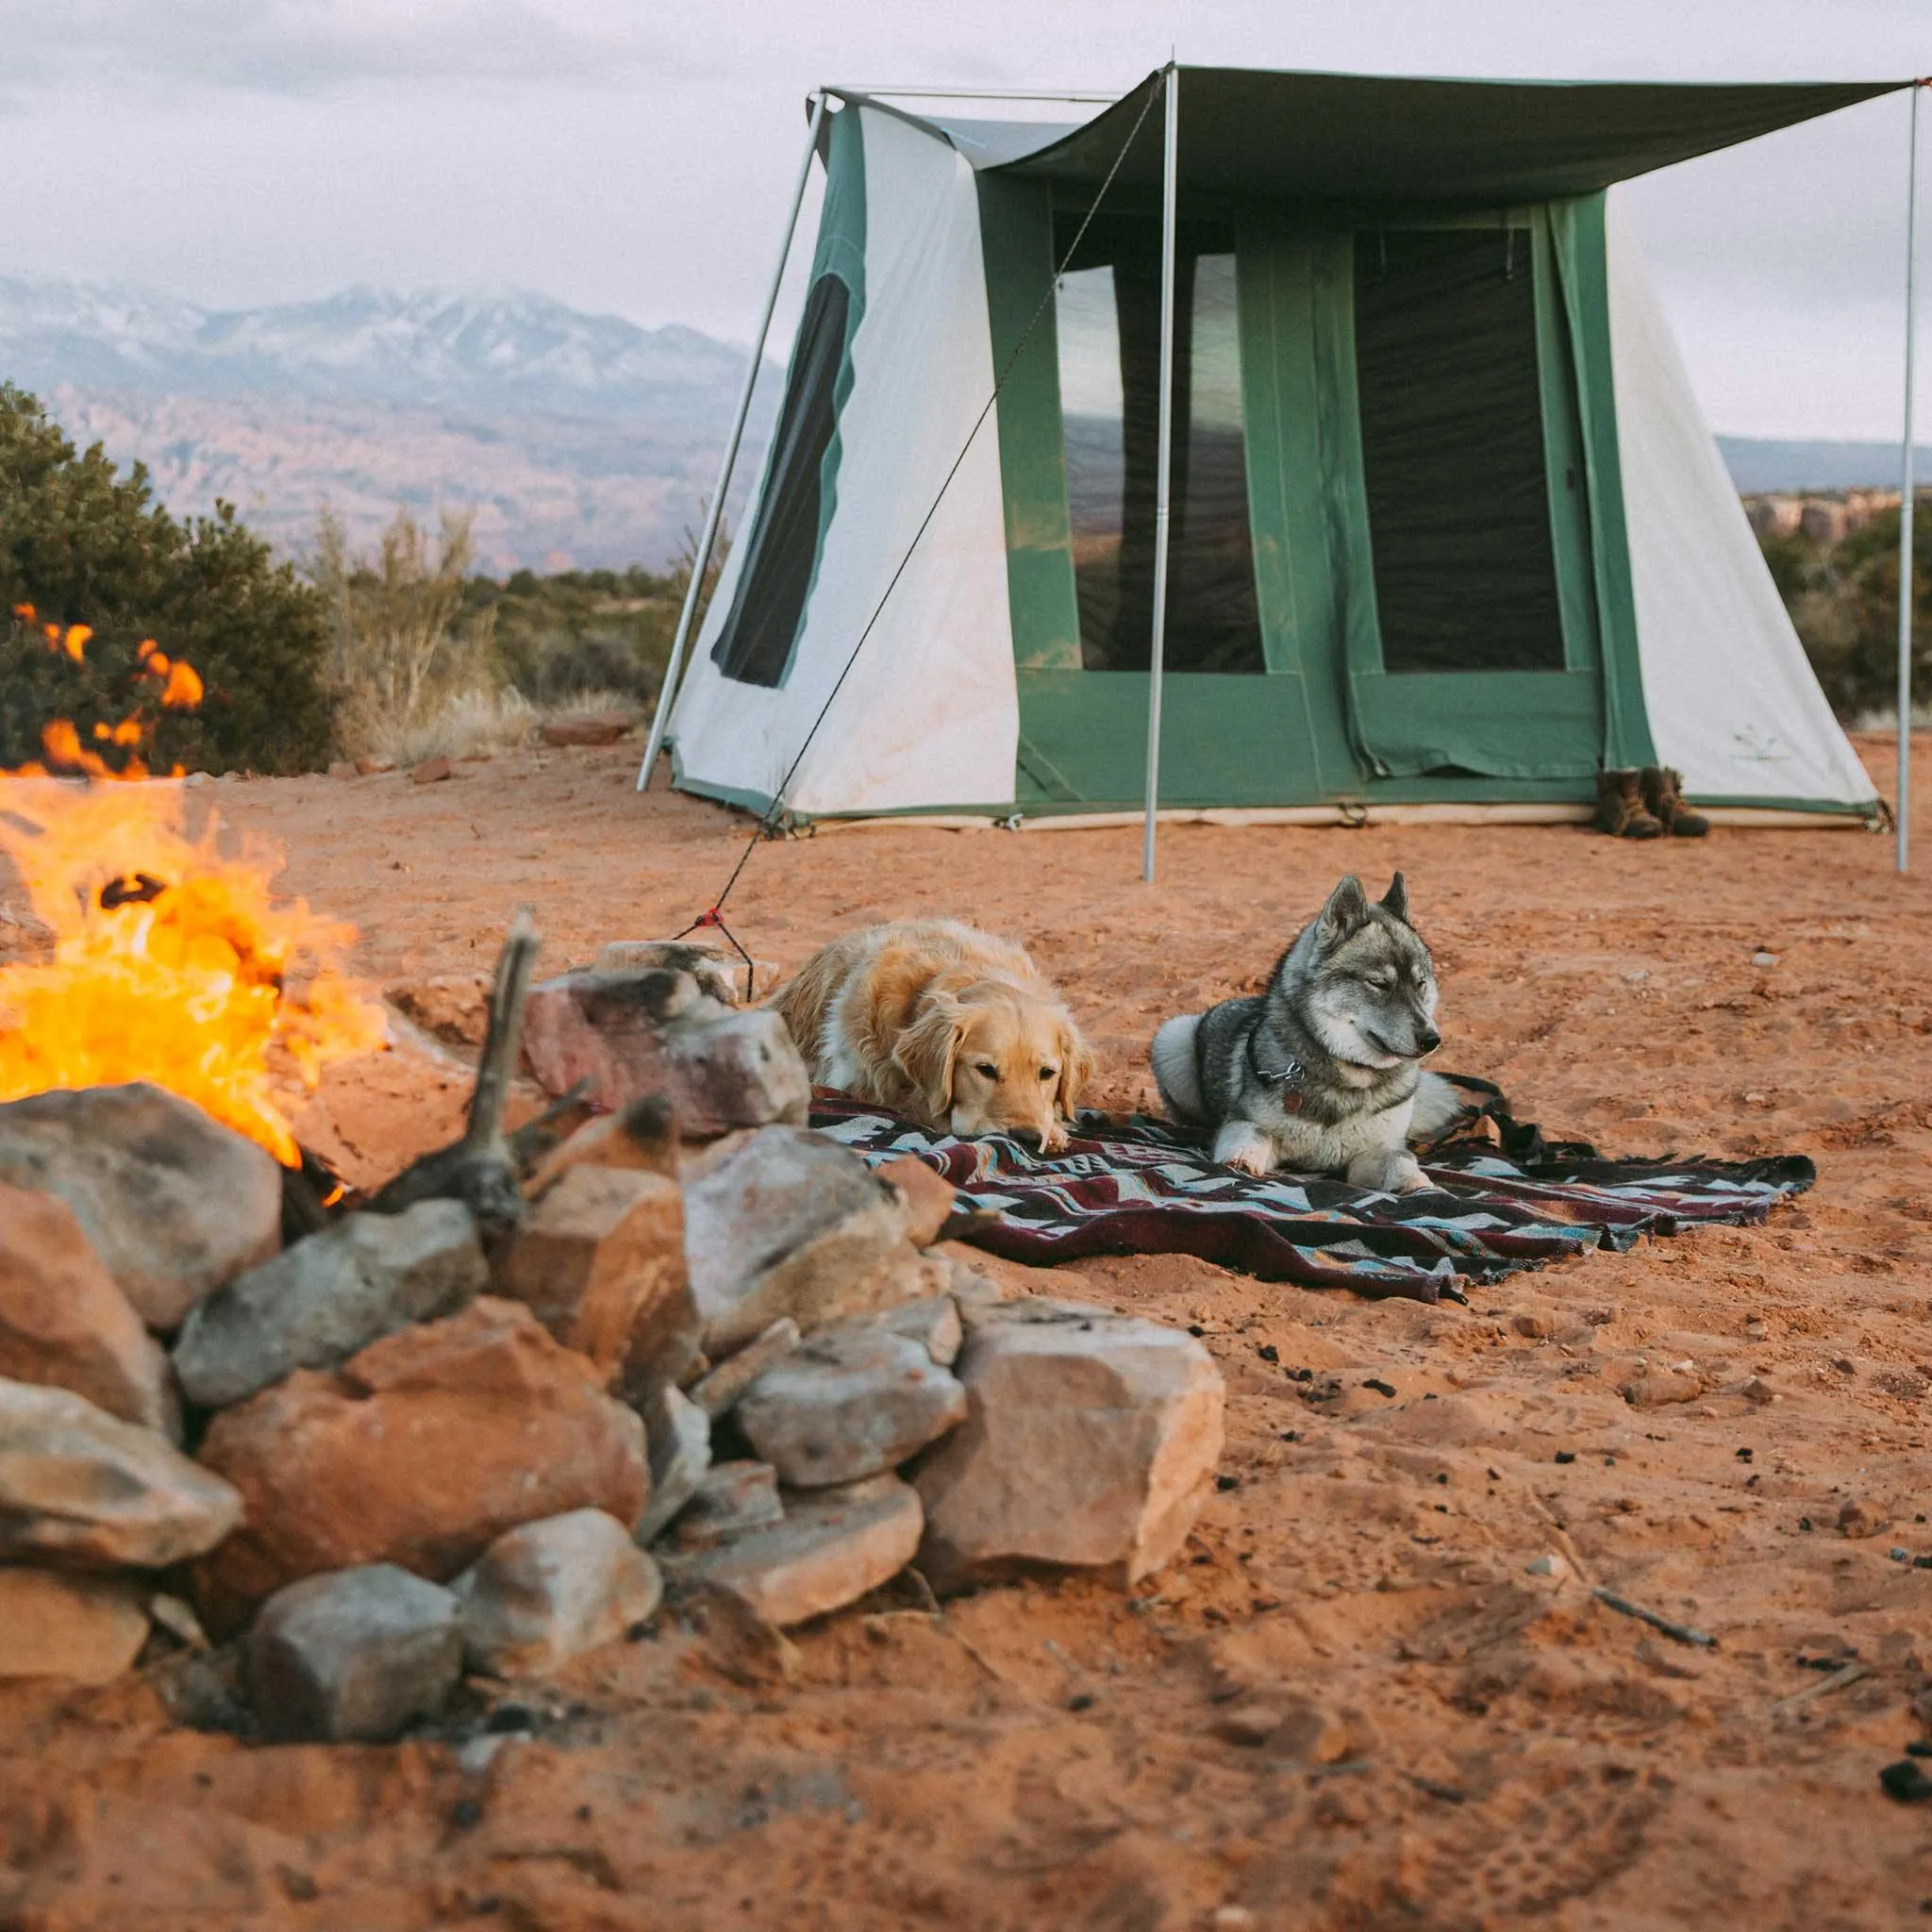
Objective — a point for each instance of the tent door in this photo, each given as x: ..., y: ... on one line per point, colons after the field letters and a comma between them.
x: 1470, y: 633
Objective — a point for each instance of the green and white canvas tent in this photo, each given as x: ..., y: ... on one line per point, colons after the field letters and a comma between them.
x: 1444, y: 531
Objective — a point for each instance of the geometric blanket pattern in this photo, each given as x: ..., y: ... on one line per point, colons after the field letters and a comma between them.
x: 1501, y: 1198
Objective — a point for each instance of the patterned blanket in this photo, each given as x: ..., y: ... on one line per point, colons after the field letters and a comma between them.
x: 1503, y: 1198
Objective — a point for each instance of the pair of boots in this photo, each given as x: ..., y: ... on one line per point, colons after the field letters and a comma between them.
x: 1646, y: 804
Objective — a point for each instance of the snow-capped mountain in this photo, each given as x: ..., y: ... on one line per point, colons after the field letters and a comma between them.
x: 493, y: 352
x: 576, y: 439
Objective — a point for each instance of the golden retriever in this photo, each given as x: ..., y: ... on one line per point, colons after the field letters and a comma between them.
x: 935, y: 1020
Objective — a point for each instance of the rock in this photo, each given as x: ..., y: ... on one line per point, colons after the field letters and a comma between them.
x: 851, y: 1402
x: 599, y: 1261
x: 929, y: 1197
x: 175, y: 1202
x: 586, y: 729
x: 83, y: 1491
x: 680, y: 1438
x: 970, y: 1288
x: 64, y: 1324
x: 342, y: 767
x: 635, y: 1034
x: 1858, y: 1519
x: 734, y: 1639
x: 720, y: 1392
x: 718, y: 970
x: 733, y: 1499
x: 354, y: 1654
x: 1659, y: 1391
x: 431, y: 771
x: 643, y: 1135
x: 791, y: 1223
x: 934, y: 1323
x: 547, y: 1592
x: 833, y: 1546
x: 451, y: 1007
x: 1088, y: 1445
x: 370, y: 767
x: 82, y: 1629
x: 316, y: 1304
x: 1291, y: 1727
x: 420, y: 1451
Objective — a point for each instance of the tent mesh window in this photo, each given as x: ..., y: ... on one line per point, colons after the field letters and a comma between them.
x: 755, y: 642
x: 1453, y: 453
x: 1109, y: 323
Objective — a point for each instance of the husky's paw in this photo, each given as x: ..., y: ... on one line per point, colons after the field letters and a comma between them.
x: 1387, y: 1171
x: 1242, y: 1145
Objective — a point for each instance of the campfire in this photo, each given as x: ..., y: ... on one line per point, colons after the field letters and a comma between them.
x: 172, y: 961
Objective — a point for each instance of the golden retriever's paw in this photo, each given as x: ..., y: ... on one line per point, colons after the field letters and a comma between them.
x: 1054, y: 1141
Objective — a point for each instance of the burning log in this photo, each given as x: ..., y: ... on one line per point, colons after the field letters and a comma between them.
x: 481, y: 1169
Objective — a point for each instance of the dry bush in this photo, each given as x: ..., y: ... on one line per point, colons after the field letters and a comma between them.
x: 410, y: 666
x: 466, y: 724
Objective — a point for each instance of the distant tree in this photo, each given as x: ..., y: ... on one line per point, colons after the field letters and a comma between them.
x: 82, y: 545
x: 1843, y: 599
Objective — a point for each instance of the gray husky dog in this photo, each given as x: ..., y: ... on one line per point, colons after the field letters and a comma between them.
x: 1319, y: 1073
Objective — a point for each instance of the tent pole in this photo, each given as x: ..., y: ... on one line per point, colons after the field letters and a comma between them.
x: 660, y: 716
x: 1907, y: 506
x: 1170, y: 169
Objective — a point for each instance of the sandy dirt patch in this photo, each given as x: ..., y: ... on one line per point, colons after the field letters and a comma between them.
x: 1502, y: 1749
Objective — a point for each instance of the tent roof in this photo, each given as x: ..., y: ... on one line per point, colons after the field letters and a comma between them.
x: 1363, y: 137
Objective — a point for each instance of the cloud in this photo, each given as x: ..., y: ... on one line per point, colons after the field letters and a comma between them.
x: 319, y: 47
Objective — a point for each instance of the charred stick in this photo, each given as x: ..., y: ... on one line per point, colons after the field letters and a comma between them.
x: 1625, y: 1608
x: 503, y: 1036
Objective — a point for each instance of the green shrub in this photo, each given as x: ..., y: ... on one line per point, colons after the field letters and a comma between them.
x: 81, y: 543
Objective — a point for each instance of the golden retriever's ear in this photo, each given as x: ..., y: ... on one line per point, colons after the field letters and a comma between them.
x: 925, y: 1051
x: 1076, y: 1070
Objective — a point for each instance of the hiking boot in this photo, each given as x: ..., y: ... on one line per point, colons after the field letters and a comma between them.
x: 1620, y: 807
x: 1663, y: 797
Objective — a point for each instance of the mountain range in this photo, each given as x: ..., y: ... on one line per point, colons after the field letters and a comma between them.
x: 575, y: 439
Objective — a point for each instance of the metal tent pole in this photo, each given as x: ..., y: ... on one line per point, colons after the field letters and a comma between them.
x: 660, y: 717
x: 1170, y: 168
x: 1907, y: 506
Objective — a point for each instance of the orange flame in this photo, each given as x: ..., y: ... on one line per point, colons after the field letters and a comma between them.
x: 173, y: 962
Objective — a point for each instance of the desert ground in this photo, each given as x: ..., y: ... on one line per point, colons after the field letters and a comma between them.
x: 1500, y: 1748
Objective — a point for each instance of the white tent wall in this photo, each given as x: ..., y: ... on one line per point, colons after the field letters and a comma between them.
x: 929, y: 715
x: 1731, y: 699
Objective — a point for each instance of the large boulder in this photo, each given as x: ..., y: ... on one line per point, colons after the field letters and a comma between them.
x: 356, y: 1655
x: 832, y: 1547
x: 420, y: 1451
x: 599, y: 1261
x: 1088, y: 1442
x: 318, y: 1302
x: 850, y: 1402
x: 175, y: 1202
x: 789, y: 1222
x: 719, y: 972
x: 548, y: 1591
x: 83, y: 1491
x: 64, y: 1323
x: 631, y: 1034
x: 79, y: 1629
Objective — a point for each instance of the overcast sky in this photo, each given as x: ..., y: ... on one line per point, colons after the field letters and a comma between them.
x: 635, y: 158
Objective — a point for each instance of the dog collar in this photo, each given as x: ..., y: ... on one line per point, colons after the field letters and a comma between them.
x: 1289, y: 1080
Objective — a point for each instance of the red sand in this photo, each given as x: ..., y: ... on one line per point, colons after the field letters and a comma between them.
x: 1049, y: 1755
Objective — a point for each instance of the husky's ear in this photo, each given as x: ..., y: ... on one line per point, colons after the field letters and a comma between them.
x: 1076, y: 1070
x: 1395, y: 899
x: 926, y: 1050
x: 1346, y: 912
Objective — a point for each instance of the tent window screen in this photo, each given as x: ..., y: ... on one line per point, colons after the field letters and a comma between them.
x: 1108, y: 317
x: 754, y: 643
x: 1453, y: 454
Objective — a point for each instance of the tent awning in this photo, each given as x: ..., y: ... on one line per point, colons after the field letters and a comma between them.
x: 1364, y: 138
